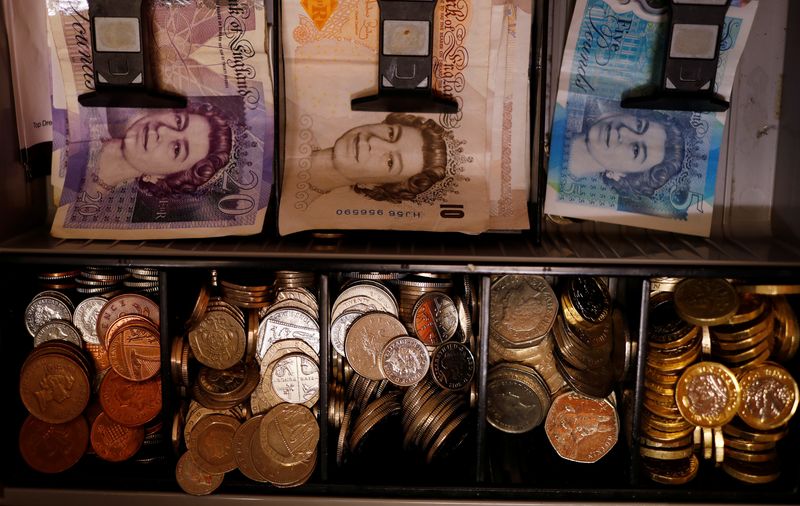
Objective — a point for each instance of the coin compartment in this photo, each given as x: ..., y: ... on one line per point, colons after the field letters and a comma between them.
x: 528, y: 460
x: 90, y: 472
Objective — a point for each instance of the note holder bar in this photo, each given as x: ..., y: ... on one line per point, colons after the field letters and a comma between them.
x: 692, y: 55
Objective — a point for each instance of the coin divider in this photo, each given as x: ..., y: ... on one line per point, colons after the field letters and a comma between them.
x: 90, y: 473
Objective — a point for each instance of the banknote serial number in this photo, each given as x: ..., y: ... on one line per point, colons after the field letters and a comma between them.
x: 448, y: 211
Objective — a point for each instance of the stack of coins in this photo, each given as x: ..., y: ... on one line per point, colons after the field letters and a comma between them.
x: 295, y: 279
x: 413, y: 288
x: 244, y: 293
x: 423, y: 344
x: 666, y: 437
x: 107, y: 348
x: 747, y: 339
x: 258, y: 382
x: 736, y: 403
x: 63, y: 280
x: 584, y: 337
x: 141, y: 280
x: 769, y: 399
x: 517, y: 398
x: 102, y: 281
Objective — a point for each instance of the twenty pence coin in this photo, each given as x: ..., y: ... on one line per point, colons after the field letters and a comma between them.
x: 523, y: 308
x: 193, y: 480
x: 212, y: 443
x: 218, y: 340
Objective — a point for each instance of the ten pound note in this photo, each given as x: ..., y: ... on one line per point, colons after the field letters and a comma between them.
x: 202, y: 171
x: 652, y: 169
x: 370, y: 170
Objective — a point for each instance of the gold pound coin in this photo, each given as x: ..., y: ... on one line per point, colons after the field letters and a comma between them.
x: 705, y: 301
x: 752, y: 472
x: 769, y: 396
x: 769, y: 289
x: 672, y: 472
x: 708, y: 394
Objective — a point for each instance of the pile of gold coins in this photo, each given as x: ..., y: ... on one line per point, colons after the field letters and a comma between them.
x: 91, y: 384
x: 254, y: 394
x: 414, y: 359
x: 714, y: 388
x: 551, y: 361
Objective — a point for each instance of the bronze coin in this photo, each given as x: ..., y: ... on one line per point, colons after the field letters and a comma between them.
x: 54, y: 388
x: 135, y: 352
x: 194, y: 480
x: 99, y: 357
x: 114, y: 442
x: 212, y: 443
x: 130, y: 403
x: 435, y: 318
x: 289, y: 434
x: 581, y: 428
x: 126, y: 304
x: 241, y: 448
x: 53, y: 448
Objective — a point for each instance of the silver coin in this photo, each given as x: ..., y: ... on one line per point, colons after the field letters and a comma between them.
x: 298, y: 293
x: 404, y: 361
x: 44, y: 309
x: 363, y: 303
x: 453, y: 366
x: 381, y: 295
x: 295, y: 379
x: 287, y: 323
x: 292, y: 303
x: 339, y: 329
x: 85, y: 318
x: 57, y: 329
x: 58, y: 295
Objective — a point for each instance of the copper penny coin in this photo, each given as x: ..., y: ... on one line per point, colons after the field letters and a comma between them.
x: 193, y: 480
x: 212, y: 443
x: 435, y: 318
x: 99, y: 357
x: 126, y: 304
x: 53, y: 448
x: 581, y: 428
x: 130, y: 403
x: 114, y: 442
x: 54, y: 388
x: 135, y: 352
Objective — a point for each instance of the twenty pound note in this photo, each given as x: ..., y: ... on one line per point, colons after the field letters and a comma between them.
x: 370, y: 170
x: 202, y: 171
x: 651, y: 169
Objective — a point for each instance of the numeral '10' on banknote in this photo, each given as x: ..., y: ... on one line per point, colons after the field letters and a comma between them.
x: 652, y: 169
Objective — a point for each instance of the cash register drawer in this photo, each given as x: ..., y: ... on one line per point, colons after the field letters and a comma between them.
x: 756, y: 238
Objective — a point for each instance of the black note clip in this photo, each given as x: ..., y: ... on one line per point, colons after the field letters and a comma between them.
x: 405, y: 61
x: 121, y: 58
x: 692, y: 54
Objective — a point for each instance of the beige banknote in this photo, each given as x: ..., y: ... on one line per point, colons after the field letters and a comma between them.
x: 366, y: 170
x: 509, y: 165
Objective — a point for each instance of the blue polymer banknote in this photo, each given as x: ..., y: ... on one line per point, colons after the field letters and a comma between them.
x: 645, y: 168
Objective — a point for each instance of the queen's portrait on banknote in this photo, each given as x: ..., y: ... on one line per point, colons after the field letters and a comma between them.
x: 636, y: 152
x: 169, y: 153
x: 400, y: 159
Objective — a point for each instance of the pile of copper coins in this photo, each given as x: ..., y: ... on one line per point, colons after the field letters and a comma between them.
x: 254, y: 395
x: 91, y: 383
x: 714, y: 386
x: 413, y: 359
x: 552, y: 362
